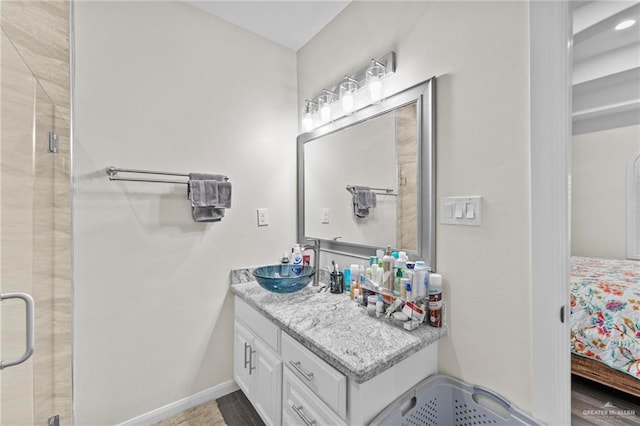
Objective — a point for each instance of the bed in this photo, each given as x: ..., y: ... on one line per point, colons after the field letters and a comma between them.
x: 605, y: 322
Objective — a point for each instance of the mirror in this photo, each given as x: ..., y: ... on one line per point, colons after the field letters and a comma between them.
x: 387, y: 147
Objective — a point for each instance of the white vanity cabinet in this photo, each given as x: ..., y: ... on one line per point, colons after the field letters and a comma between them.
x: 288, y: 384
x: 257, y: 367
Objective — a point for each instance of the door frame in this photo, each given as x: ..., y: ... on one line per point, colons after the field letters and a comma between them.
x: 550, y: 26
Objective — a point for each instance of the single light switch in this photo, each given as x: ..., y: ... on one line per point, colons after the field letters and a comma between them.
x: 325, y: 216
x: 448, y: 210
x: 263, y: 217
x: 458, y: 214
x: 470, y: 211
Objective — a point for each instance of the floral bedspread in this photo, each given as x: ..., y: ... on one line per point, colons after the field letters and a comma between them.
x: 605, y: 312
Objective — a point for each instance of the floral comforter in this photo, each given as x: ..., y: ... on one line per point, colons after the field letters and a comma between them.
x: 605, y: 312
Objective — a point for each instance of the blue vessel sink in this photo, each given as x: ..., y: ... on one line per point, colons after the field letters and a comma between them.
x: 281, y: 278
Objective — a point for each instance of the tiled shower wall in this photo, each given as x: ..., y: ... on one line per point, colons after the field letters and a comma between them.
x: 36, y: 33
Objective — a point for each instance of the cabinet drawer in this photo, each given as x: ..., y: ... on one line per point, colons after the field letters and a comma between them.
x: 301, y: 407
x: 324, y: 380
x: 267, y: 331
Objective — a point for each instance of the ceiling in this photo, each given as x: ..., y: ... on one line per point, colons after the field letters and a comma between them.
x: 606, y: 62
x: 606, y: 65
x: 289, y: 23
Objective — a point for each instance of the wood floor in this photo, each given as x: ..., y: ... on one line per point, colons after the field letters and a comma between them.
x: 591, y: 404
x: 595, y: 404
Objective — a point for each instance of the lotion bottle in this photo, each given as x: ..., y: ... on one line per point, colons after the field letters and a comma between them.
x: 387, y: 266
x: 296, y: 260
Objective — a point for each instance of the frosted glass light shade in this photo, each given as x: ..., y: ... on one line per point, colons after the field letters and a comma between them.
x: 375, y: 74
x: 347, y: 91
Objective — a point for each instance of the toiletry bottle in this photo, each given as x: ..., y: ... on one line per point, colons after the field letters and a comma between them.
x: 374, y: 275
x: 296, y: 260
x: 409, y: 296
x: 404, y: 283
x: 355, y: 273
x: 435, y: 300
x: 379, y: 306
x: 387, y: 266
x: 397, y: 279
x: 284, y: 265
x: 347, y: 280
x: 373, y: 260
x: 420, y: 280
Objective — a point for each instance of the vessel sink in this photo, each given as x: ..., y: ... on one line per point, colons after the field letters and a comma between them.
x: 281, y: 278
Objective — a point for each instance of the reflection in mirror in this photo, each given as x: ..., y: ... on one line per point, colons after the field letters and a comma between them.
x: 379, y: 153
x: 387, y: 148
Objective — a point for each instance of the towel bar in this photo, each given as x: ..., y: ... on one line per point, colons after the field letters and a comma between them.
x: 387, y: 191
x: 113, y: 171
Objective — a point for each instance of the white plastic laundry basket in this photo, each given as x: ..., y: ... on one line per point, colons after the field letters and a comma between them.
x: 443, y: 401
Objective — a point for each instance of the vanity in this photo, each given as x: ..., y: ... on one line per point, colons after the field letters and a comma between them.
x: 316, y: 358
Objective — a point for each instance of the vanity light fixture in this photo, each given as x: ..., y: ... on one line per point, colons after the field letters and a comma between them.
x: 307, y: 115
x: 320, y: 110
x: 348, y: 90
x: 375, y: 75
x: 625, y: 24
x: 324, y: 104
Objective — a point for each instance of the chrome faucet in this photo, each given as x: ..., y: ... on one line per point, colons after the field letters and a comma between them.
x: 316, y: 257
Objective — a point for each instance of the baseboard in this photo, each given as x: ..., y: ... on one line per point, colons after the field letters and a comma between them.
x: 184, y: 404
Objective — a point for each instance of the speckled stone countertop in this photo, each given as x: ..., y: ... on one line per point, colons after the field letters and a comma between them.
x: 335, y: 328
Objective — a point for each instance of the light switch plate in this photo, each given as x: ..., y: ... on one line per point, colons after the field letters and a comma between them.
x: 263, y: 217
x: 461, y: 210
x: 325, y: 216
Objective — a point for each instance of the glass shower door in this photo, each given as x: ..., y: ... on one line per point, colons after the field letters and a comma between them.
x: 27, y: 237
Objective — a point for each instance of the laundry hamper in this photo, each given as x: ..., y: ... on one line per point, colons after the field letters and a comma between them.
x: 443, y: 401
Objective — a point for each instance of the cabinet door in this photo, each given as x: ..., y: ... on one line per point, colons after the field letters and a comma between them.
x: 242, y: 357
x: 267, y: 383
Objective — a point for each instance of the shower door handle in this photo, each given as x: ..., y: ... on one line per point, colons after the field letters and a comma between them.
x: 30, y: 335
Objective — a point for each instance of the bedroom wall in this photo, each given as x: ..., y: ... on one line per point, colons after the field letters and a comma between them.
x: 599, y: 191
x: 165, y: 86
x: 480, y: 53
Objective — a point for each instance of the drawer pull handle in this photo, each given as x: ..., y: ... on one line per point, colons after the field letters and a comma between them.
x: 251, y: 367
x: 304, y: 418
x: 246, y: 361
x: 298, y: 368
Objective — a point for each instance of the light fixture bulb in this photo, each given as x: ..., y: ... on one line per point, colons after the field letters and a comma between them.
x: 324, y: 103
x: 347, y: 89
x: 625, y: 24
x: 307, y: 122
x: 374, y: 75
x: 307, y: 116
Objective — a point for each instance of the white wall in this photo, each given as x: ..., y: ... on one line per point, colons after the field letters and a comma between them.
x: 164, y: 86
x: 599, y: 191
x: 480, y: 53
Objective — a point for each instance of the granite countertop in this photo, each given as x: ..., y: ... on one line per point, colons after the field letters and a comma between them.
x: 335, y: 328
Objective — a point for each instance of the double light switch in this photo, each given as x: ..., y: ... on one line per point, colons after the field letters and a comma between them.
x: 461, y: 210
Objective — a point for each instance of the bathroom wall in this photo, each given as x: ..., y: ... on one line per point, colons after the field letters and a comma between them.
x: 165, y: 86
x: 599, y: 191
x: 480, y: 53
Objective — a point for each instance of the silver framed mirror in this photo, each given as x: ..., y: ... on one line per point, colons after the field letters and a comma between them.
x: 387, y: 147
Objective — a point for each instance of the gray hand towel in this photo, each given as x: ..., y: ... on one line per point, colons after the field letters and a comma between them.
x: 209, y: 195
x: 363, y: 199
x: 207, y: 214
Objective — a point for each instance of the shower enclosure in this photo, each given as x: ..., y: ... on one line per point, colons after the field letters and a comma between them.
x: 35, y: 245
